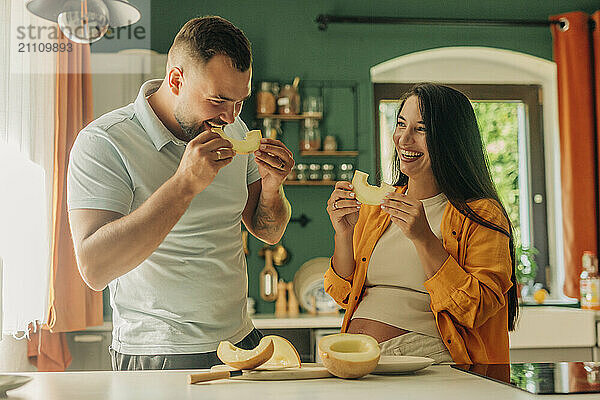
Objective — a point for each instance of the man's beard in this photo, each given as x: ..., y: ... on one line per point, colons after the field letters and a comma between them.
x: 190, y: 130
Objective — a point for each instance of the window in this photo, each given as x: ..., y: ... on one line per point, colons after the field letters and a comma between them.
x: 509, y: 118
x: 27, y: 88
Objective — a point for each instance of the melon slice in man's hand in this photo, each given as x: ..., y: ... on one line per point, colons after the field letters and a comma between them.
x: 245, y: 146
x: 368, y: 194
x: 245, y: 359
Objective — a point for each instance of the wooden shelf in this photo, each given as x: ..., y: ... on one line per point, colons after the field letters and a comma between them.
x: 309, y: 183
x: 286, y: 117
x: 352, y: 153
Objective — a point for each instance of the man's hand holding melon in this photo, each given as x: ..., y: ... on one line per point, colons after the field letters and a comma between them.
x: 204, y: 156
x: 275, y: 161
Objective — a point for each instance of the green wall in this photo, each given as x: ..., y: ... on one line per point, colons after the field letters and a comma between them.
x: 286, y: 42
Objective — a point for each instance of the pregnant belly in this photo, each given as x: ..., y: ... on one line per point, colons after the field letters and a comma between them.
x: 378, y: 330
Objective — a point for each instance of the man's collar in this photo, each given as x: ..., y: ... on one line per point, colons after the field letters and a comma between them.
x: 156, y: 130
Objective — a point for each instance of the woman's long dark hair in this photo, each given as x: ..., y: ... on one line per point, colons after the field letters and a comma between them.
x: 459, y: 162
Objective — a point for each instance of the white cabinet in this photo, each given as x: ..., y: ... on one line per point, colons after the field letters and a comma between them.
x: 554, y: 334
x: 89, y: 349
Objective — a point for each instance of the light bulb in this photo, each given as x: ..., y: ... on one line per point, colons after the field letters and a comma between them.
x: 83, y: 21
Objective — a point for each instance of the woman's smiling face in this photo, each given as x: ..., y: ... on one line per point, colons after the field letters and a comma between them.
x: 410, y: 141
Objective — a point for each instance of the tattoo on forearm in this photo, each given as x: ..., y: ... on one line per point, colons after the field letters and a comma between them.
x: 270, y: 219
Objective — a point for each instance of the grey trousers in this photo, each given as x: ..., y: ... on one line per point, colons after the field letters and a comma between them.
x: 416, y: 344
x: 128, y: 362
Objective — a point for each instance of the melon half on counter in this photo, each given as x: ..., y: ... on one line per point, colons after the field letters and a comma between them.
x: 345, y: 355
x: 272, y: 352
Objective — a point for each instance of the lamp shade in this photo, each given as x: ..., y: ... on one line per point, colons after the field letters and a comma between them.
x: 121, y: 13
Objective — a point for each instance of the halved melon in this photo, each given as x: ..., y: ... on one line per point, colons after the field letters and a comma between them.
x: 349, y: 355
x: 285, y: 354
x: 245, y: 359
x: 368, y: 194
x: 245, y: 146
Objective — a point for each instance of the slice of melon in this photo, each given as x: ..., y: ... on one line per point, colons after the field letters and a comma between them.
x: 285, y: 355
x: 349, y: 355
x: 245, y: 359
x: 368, y: 194
x: 245, y: 146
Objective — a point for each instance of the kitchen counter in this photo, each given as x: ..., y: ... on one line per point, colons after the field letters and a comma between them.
x: 435, y: 382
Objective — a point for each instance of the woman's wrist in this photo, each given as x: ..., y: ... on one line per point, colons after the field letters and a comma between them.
x: 432, y: 254
x: 343, y: 236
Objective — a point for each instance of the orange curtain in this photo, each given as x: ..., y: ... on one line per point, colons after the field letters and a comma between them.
x: 73, y: 306
x: 574, y: 56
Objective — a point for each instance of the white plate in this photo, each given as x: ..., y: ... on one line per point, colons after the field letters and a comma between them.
x: 9, y: 382
x: 390, y: 365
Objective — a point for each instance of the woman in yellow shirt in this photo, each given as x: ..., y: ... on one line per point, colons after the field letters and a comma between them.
x: 431, y: 271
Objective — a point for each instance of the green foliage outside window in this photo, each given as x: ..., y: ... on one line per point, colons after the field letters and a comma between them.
x: 498, y: 123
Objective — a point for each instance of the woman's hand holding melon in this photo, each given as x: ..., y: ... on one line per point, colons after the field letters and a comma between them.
x: 343, y: 208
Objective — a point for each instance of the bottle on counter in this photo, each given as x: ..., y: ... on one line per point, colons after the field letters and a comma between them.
x: 268, y: 278
x: 281, y: 303
x: 292, y: 302
x: 589, y: 282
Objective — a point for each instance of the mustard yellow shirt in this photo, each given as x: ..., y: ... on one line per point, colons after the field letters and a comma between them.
x: 469, y: 291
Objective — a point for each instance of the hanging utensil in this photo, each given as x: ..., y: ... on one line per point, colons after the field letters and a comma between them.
x: 281, y: 255
x: 245, y: 242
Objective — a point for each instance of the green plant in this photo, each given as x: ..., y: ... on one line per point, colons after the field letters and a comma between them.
x: 526, y: 266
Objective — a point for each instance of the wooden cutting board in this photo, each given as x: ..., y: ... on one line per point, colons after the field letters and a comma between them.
x: 304, y: 372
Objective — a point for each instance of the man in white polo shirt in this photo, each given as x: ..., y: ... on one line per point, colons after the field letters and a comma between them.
x: 156, y: 200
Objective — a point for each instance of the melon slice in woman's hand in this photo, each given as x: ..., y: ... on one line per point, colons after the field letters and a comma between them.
x: 368, y: 194
x: 245, y: 146
x: 245, y: 359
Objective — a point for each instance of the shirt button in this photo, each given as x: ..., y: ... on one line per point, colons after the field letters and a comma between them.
x: 449, y: 341
x: 355, y: 297
x: 454, y: 233
x: 364, y: 259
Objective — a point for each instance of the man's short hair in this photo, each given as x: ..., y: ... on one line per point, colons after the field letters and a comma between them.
x: 202, y: 38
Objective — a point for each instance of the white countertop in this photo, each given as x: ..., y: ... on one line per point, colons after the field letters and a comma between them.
x: 436, y: 382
